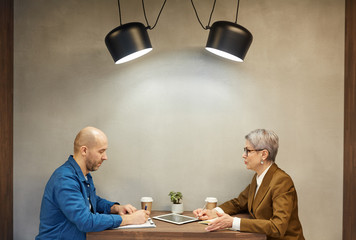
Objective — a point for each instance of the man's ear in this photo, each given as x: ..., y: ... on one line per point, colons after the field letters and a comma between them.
x: 83, y: 150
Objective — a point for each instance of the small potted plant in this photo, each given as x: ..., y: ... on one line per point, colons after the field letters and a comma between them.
x: 177, y: 206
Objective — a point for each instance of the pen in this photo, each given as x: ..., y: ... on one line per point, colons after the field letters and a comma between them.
x: 202, y: 210
x: 149, y: 219
x: 204, y: 207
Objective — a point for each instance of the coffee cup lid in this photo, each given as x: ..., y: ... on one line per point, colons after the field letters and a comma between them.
x: 146, y: 199
x: 211, y: 199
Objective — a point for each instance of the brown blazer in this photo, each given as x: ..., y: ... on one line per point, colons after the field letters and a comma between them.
x: 274, y: 211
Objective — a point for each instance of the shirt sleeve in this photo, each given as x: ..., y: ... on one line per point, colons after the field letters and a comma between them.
x: 219, y: 210
x: 71, y: 202
x: 236, y: 224
x: 103, y: 205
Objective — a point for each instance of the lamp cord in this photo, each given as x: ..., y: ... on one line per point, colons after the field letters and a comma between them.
x: 211, y: 14
x: 237, y: 10
x: 195, y: 10
x: 159, y: 14
x: 118, y: 3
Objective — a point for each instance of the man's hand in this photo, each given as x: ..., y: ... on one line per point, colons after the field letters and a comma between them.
x: 204, y: 214
x: 223, y: 221
x: 138, y: 217
x: 123, y: 209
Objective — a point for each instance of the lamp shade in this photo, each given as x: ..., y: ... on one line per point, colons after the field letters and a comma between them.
x: 229, y: 40
x: 128, y: 41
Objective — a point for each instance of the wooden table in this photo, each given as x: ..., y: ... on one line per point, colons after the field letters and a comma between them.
x: 170, y: 231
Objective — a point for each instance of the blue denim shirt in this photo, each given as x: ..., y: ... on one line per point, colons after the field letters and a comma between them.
x: 65, y: 209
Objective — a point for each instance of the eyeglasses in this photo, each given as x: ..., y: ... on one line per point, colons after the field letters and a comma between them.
x: 246, y: 150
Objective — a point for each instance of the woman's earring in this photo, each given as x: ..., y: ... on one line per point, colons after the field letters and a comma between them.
x: 261, y: 162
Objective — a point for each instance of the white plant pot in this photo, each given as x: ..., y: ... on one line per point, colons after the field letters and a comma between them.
x: 177, y: 208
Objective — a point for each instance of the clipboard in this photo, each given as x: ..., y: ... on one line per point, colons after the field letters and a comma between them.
x: 148, y: 224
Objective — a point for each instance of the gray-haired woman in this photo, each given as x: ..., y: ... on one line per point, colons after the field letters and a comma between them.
x: 270, y: 198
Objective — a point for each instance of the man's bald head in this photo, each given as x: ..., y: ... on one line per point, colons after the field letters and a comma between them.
x: 87, y: 137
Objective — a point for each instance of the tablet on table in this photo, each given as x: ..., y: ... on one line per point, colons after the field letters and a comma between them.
x: 175, y: 218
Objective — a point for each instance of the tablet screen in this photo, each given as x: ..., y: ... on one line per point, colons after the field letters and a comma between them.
x: 175, y: 218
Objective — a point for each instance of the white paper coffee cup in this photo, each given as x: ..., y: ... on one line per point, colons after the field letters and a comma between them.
x: 146, y: 203
x: 211, y: 202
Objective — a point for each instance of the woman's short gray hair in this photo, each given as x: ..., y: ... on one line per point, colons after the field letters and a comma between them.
x: 264, y: 139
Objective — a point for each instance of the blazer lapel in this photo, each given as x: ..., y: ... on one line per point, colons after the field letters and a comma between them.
x: 264, y: 187
x: 251, y: 194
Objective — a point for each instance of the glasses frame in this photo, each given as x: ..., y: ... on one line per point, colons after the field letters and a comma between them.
x: 247, y: 151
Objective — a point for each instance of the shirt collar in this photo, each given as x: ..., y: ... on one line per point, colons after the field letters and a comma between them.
x: 259, y: 179
x: 76, y: 167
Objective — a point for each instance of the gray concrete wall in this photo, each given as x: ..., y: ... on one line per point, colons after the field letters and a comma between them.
x: 176, y: 118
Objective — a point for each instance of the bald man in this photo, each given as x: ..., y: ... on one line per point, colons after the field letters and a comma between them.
x: 70, y: 207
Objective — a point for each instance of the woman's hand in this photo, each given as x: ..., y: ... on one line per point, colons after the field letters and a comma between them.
x: 204, y: 214
x: 223, y: 221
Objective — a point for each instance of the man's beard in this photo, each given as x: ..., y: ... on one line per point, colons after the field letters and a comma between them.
x: 92, y: 166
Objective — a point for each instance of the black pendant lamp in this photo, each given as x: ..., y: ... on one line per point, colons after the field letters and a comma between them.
x: 227, y: 39
x: 129, y: 41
